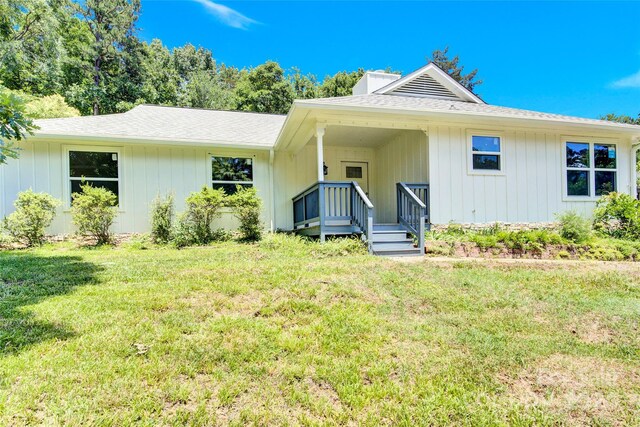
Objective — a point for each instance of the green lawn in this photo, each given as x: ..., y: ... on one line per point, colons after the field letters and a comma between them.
x: 286, y: 332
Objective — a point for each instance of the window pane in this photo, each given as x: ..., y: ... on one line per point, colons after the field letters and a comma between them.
x: 577, y: 183
x: 604, y: 156
x: 93, y: 164
x: 229, y: 188
x: 354, y: 172
x: 605, y: 182
x: 577, y: 155
x: 486, y: 162
x: 231, y: 169
x: 486, y: 143
x: 109, y: 185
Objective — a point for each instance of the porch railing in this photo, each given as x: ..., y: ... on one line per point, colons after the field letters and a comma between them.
x: 412, y: 211
x: 334, y: 207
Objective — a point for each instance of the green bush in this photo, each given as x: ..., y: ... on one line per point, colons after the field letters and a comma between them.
x: 34, y: 213
x: 246, y: 207
x: 574, y: 227
x: 194, y: 225
x: 162, y: 219
x: 93, y: 211
x: 618, y: 215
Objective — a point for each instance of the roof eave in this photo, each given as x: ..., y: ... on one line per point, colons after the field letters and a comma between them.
x: 613, y: 127
x: 148, y: 140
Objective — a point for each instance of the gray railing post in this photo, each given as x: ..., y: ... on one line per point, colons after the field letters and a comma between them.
x: 321, y: 210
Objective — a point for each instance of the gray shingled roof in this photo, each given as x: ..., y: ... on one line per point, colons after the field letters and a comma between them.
x: 419, y: 104
x: 150, y: 122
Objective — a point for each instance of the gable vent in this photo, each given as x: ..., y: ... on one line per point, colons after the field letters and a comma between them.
x: 425, y: 86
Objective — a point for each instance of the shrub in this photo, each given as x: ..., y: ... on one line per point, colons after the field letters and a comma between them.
x: 162, y: 219
x: 93, y: 212
x: 618, y: 215
x: 574, y: 227
x: 246, y: 207
x: 194, y: 226
x: 34, y: 213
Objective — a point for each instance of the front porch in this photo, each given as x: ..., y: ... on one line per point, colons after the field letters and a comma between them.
x: 333, y: 208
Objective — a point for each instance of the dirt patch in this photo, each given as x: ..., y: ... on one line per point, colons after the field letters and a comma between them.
x: 324, y: 391
x: 592, y: 329
x: 582, y: 390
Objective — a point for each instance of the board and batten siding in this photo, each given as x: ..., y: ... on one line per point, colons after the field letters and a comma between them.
x: 404, y: 158
x: 529, y: 190
x: 295, y: 172
x: 146, y: 171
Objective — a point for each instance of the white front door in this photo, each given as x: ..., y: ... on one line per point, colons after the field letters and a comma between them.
x: 356, y: 171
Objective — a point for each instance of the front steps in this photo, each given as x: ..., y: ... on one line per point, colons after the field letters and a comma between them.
x: 392, y: 240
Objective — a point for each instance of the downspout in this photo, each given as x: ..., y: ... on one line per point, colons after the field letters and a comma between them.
x: 634, y: 172
x: 272, y: 189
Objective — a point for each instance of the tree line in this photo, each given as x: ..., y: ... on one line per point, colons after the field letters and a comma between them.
x: 70, y: 57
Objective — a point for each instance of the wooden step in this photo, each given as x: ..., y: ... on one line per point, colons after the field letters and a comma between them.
x: 387, y: 227
x: 395, y: 248
x: 391, y: 236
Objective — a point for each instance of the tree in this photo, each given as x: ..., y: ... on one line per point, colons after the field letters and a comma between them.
x: 160, y: 78
x: 265, y: 89
x: 621, y: 119
x: 14, y: 124
x: 50, y: 107
x: 112, y: 23
x: 452, y: 67
x: 340, y: 84
x: 204, y: 90
x: 30, y: 50
x: 304, y: 86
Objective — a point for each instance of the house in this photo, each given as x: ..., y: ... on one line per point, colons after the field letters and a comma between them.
x: 400, y: 154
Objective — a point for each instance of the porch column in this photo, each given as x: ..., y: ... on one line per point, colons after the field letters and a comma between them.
x: 635, y: 146
x: 320, y: 128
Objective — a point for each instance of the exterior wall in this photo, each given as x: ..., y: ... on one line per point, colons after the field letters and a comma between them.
x: 530, y: 190
x: 146, y: 171
x: 405, y: 158
x: 294, y: 173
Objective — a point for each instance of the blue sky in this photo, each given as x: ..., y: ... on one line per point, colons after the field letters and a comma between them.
x: 577, y: 58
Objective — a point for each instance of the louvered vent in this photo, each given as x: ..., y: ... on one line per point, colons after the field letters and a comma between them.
x: 425, y: 86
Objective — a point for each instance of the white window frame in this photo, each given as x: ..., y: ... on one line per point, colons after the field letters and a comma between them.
x: 591, y: 169
x: 233, y: 156
x: 470, y: 153
x: 91, y: 149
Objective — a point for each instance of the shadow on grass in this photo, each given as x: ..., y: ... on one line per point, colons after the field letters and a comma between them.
x: 26, y: 279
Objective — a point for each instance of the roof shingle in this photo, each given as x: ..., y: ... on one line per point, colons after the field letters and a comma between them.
x: 424, y: 104
x: 172, y: 124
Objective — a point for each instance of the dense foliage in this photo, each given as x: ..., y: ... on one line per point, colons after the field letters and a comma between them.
x: 618, y: 215
x: 14, y: 124
x: 34, y: 213
x: 162, y: 219
x: 93, y: 211
x: 89, y: 54
x: 194, y: 225
x: 574, y: 227
x: 247, y: 207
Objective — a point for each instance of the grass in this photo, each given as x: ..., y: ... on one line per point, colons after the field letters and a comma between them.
x: 288, y: 332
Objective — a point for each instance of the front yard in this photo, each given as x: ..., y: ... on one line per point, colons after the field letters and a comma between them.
x: 287, y: 332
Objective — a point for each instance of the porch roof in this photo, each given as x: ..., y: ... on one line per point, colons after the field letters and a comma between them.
x: 421, y: 110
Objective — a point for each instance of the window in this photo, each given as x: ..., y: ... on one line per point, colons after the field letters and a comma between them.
x: 590, y: 168
x: 228, y: 172
x: 354, y: 171
x: 486, y: 153
x: 98, y: 168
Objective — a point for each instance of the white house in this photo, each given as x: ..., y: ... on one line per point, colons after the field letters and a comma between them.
x: 398, y: 155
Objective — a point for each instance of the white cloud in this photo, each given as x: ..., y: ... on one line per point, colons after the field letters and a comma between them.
x: 226, y: 15
x: 630, y: 81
